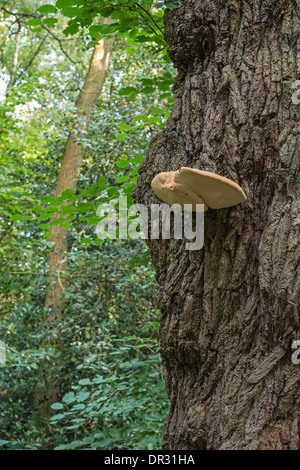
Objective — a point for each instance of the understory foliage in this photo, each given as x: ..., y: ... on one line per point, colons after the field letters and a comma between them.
x: 112, y: 393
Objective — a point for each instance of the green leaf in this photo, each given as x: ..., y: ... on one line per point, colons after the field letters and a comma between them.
x: 71, y: 12
x: 93, y: 43
x: 2, y: 442
x: 121, y: 179
x: 78, y: 407
x: 85, y: 207
x: 68, y: 209
x: 115, y: 433
x: 84, y: 381
x: 93, y: 221
x: 112, y: 191
x: 44, y: 217
x: 124, y: 127
x: 37, y: 30
x: 122, y: 163
x: 48, y: 199
x: 44, y: 227
x: 71, y: 29
x: 104, y: 443
x: 137, y: 159
x: 107, y: 11
x: 57, y: 417
x: 47, y: 9
x: 134, y: 172
x: 147, y: 81
x: 121, y: 136
x: 67, y: 3
x: 127, y: 90
x: 142, y: 117
x: 34, y: 22
x: 21, y: 217
x: 82, y: 396
x: 57, y: 406
x: 50, y: 21
x: 147, y: 90
x: 85, y: 240
x: 67, y: 193
x: 57, y: 221
x: 69, y: 397
x: 51, y: 209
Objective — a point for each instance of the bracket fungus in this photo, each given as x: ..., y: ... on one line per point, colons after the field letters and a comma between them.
x: 191, y: 186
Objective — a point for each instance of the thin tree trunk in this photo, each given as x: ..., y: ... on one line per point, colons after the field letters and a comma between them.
x: 48, y: 391
x: 230, y: 312
x: 70, y: 169
x: 12, y: 78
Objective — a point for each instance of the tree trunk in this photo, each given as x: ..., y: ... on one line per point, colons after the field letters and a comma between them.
x: 14, y: 66
x: 230, y: 311
x: 48, y: 390
x: 70, y: 169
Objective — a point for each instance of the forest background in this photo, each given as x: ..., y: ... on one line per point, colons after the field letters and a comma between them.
x: 100, y: 358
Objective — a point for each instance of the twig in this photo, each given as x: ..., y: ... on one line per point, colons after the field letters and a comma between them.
x: 34, y: 56
x: 30, y: 15
x: 146, y: 22
x: 146, y: 11
x: 110, y: 396
x: 60, y: 45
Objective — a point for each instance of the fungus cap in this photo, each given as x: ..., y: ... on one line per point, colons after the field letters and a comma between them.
x: 191, y: 186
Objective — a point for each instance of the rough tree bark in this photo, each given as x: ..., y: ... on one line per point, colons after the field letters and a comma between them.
x: 230, y: 311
